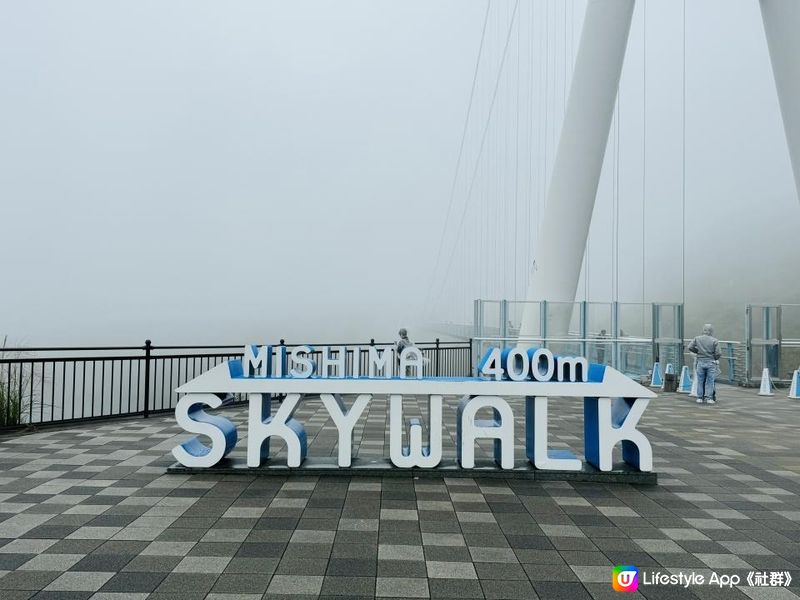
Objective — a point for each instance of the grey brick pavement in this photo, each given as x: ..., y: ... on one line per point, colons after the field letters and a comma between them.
x: 88, y: 512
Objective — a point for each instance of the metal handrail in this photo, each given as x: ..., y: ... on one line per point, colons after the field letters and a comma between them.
x: 85, y: 384
x: 570, y: 339
x: 372, y: 342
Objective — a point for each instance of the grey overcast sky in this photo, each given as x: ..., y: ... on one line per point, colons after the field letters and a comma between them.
x: 217, y: 172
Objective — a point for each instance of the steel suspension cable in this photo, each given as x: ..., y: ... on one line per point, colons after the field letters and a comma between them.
x: 683, y: 167
x: 644, y: 153
x: 485, y: 133
x: 617, y: 196
x: 515, y: 252
x: 463, y: 138
x: 530, y: 142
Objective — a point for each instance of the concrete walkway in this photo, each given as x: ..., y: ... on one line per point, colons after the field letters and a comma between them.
x: 88, y: 512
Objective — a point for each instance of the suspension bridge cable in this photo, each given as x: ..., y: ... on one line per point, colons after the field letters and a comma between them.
x: 463, y: 139
x: 644, y: 151
x: 588, y: 253
x: 541, y: 126
x: 484, y: 135
x: 516, y: 171
x: 617, y: 151
x: 546, y: 141
x: 612, y: 138
x: 529, y: 201
x: 565, y: 59
x: 683, y: 178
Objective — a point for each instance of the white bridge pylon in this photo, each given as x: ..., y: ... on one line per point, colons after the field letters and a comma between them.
x: 559, y: 250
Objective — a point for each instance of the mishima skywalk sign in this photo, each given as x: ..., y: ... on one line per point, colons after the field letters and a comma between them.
x: 613, y: 405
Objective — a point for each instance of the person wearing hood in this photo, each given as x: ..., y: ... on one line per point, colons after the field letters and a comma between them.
x: 706, y: 347
x: 403, y: 342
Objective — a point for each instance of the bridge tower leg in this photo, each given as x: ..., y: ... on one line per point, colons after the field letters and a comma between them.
x: 559, y: 249
x: 782, y: 24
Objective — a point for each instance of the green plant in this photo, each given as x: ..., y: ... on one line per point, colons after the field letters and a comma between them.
x: 15, y: 383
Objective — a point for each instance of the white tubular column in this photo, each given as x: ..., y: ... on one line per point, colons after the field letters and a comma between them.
x: 782, y: 24
x: 576, y: 172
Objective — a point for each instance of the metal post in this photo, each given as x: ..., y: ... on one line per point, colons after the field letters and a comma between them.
x: 477, y: 318
x: 615, y: 334
x: 748, y: 341
x: 655, y: 333
x: 766, y: 334
x: 437, y: 358
x: 542, y: 322
x: 471, y: 361
x: 584, y: 330
x: 148, y: 346
x: 504, y: 320
x: 731, y: 363
x: 679, y: 323
x: 779, y: 338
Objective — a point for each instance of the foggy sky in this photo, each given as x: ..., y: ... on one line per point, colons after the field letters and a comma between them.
x: 209, y: 172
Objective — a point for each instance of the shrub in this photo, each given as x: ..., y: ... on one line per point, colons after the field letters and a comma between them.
x: 15, y: 384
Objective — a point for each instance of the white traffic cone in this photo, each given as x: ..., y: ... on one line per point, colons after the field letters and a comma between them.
x: 685, y: 383
x: 766, y: 384
x: 656, y: 380
x: 794, y: 391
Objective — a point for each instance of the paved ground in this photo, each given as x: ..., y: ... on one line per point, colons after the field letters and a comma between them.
x: 88, y: 512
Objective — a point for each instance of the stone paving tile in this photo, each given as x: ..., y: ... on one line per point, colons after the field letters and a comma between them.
x: 87, y: 511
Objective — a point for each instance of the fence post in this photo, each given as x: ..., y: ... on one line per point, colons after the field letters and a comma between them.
x: 504, y: 320
x: 680, y: 323
x: 477, y: 318
x: 615, y: 355
x: 655, y: 332
x: 543, y: 322
x: 470, y: 359
x: 147, y: 347
x: 585, y: 330
x: 731, y: 364
x: 437, y: 358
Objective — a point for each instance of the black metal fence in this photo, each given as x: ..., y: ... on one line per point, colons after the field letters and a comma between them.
x: 62, y: 385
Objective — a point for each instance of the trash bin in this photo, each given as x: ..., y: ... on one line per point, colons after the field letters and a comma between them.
x: 670, y: 382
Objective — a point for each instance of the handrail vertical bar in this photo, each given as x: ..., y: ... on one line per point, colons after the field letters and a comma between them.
x: 779, y: 337
x: 74, y: 367
x: 30, y: 404
x: 543, y: 322
x: 147, y: 347
x: 8, y: 393
x: 94, y: 368
x: 83, y: 389
x: 615, y: 355
x: 41, y: 396
x: 63, y: 386
x: 584, y: 328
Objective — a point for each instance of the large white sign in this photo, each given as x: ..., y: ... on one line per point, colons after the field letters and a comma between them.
x: 613, y: 405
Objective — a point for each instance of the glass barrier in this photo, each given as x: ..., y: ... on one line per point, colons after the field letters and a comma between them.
x: 633, y: 336
x: 627, y: 336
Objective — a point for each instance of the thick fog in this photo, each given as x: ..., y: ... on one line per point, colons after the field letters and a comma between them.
x: 216, y: 172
